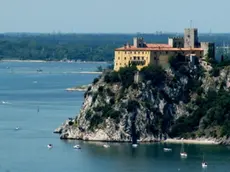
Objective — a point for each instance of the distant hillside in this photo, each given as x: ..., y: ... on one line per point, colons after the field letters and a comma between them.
x: 87, y: 47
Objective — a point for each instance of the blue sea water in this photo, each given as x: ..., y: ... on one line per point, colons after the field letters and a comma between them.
x: 23, y: 90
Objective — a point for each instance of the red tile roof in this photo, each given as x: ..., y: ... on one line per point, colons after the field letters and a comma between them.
x: 157, y: 47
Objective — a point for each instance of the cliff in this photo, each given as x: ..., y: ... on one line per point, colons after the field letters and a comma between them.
x: 150, y: 105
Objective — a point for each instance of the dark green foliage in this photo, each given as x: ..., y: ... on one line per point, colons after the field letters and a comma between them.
x: 154, y: 73
x: 115, y: 115
x: 71, y: 123
x: 112, y: 101
x: 126, y: 75
x: 94, y: 97
x: 215, y: 72
x: 225, y: 130
x: 176, y: 61
x: 109, y: 92
x: 111, y: 77
x: 88, y: 115
x: 214, y: 108
x: 100, y: 89
x: 199, y: 91
x: 95, y: 121
x: 89, y: 88
x: 95, y: 80
x: 98, y: 108
x: 134, y: 86
x: 132, y: 105
x: 88, y: 47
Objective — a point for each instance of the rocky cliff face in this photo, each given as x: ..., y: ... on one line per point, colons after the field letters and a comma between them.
x: 140, y: 111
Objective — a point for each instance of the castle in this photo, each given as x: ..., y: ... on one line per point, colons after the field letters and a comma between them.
x: 142, y: 54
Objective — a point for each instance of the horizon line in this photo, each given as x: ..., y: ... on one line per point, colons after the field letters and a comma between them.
x: 107, y: 33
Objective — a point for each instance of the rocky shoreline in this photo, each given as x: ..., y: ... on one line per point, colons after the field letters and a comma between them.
x: 69, y: 132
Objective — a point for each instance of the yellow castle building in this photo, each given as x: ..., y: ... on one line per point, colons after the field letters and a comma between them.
x: 142, y: 54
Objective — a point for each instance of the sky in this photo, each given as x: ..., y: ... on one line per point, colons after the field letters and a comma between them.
x: 113, y: 16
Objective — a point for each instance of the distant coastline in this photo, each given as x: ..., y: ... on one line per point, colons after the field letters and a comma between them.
x: 44, y: 61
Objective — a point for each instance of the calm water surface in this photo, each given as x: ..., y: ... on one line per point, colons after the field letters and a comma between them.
x: 22, y: 90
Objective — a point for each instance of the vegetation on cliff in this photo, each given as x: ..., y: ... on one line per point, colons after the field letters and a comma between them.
x: 181, y: 101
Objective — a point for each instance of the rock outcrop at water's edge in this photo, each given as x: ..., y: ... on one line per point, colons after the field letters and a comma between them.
x: 146, y: 110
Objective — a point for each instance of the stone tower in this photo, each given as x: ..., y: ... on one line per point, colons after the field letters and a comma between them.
x: 209, y: 49
x: 138, y: 42
x: 191, y: 38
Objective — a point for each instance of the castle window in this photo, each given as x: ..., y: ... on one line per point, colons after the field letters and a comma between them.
x: 125, y: 52
x: 142, y: 58
x: 143, y: 52
x: 139, y: 52
x: 116, y: 64
x: 130, y: 58
x: 134, y: 52
x: 134, y: 57
x: 125, y: 58
x: 138, y: 58
x: 120, y: 63
x: 118, y: 58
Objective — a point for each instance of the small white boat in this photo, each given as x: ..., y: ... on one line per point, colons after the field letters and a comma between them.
x: 204, y: 164
x: 49, y: 146
x: 17, y: 128
x: 183, y: 155
x: 167, y: 149
x: 106, y: 146
x: 134, y: 145
x: 77, y: 147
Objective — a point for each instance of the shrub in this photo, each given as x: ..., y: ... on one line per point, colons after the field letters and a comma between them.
x: 100, y: 89
x: 88, y: 115
x: 111, y: 77
x: 95, y: 121
x: 132, y: 105
x: 89, y: 88
x: 95, y: 80
x: 176, y: 61
x: 98, y: 108
x: 155, y: 74
x: 126, y: 75
x: 94, y: 97
x: 215, y: 72
x: 71, y: 123
x: 109, y: 92
x: 115, y: 115
x: 112, y: 101
x: 199, y: 91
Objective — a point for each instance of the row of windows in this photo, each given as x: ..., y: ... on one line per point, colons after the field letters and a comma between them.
x: 121, y: 64
x: 134, y: 57
x: 142, y: 62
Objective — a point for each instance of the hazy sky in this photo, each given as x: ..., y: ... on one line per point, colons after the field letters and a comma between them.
x: 106, y: 16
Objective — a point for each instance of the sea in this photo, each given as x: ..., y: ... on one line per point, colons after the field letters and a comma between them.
x: 37, y: 103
